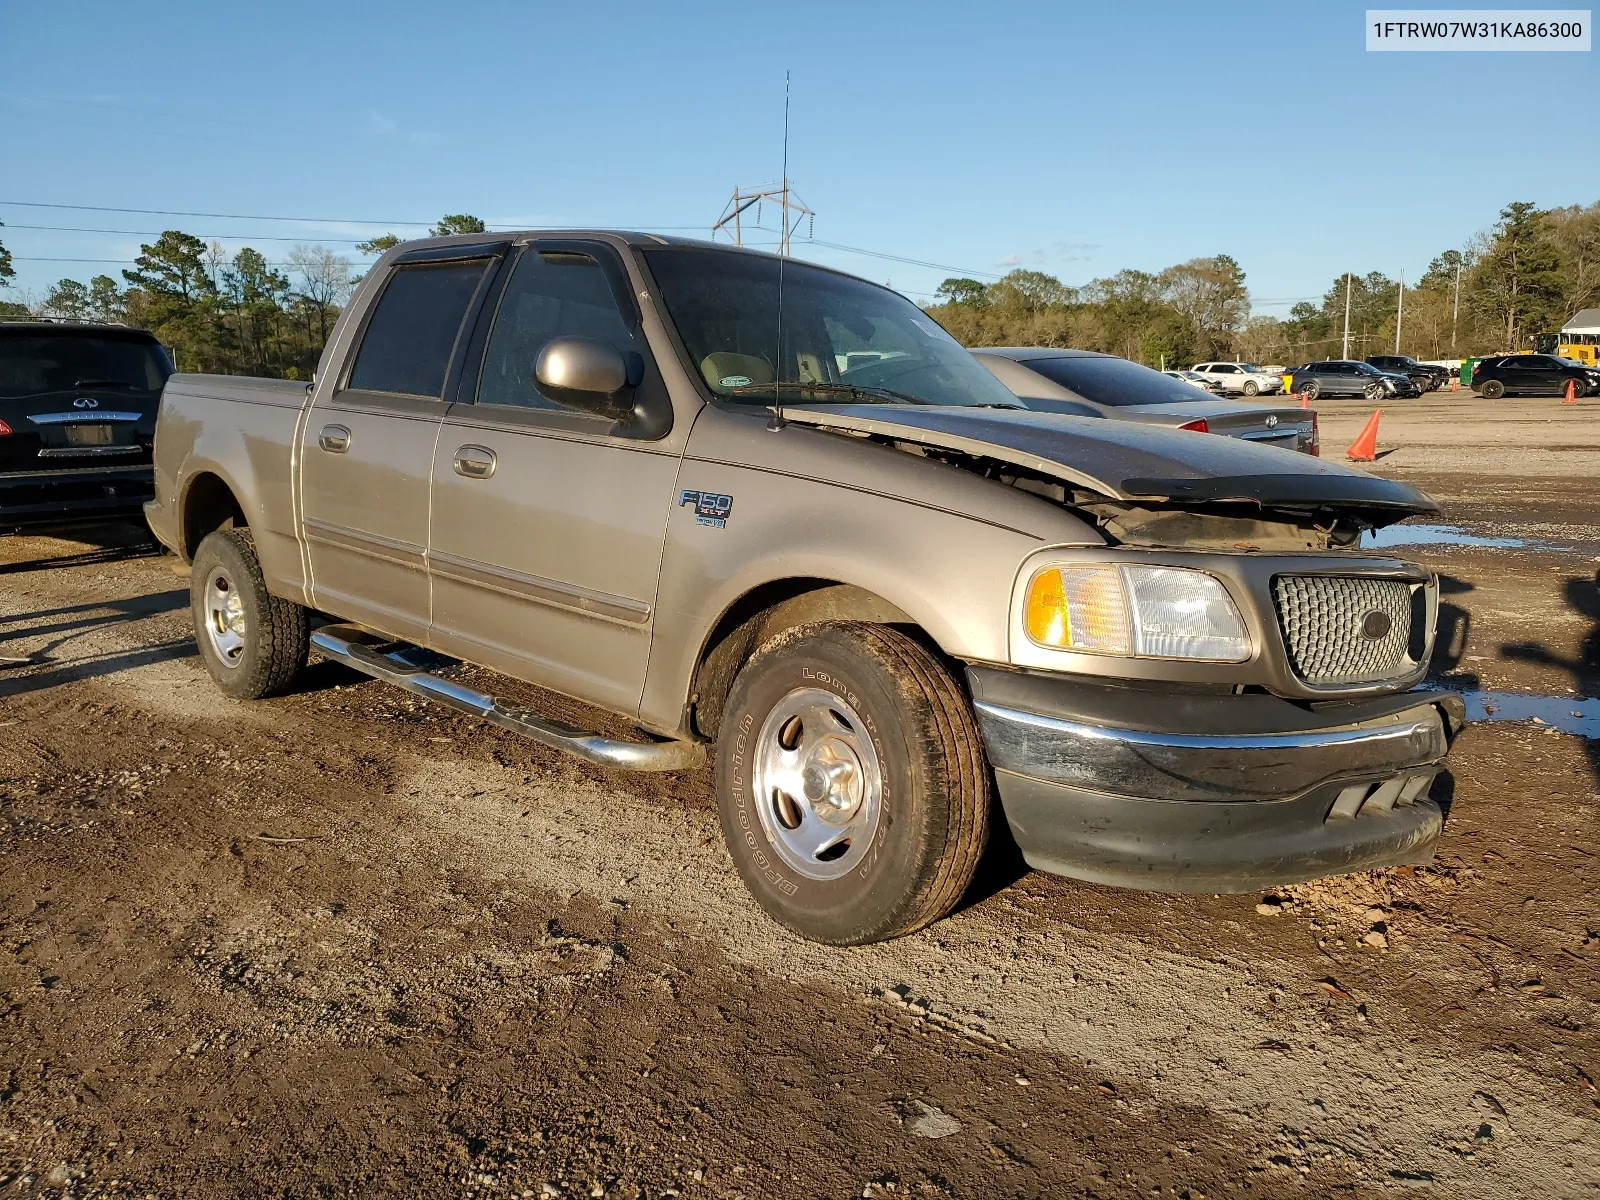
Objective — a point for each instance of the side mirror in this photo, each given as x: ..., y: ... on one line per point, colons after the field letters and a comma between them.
x: 584, y: 374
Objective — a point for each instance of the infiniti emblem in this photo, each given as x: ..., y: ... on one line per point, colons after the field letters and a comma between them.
x: 86, y: 402
x: 1376, y: 624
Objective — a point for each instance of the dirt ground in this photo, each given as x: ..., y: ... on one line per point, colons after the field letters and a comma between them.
x: 345, y: 943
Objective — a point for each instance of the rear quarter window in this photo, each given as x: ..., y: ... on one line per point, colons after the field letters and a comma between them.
x: 413, y: 330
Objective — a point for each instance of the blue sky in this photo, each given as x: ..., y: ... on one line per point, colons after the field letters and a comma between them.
x: 1072, y: 138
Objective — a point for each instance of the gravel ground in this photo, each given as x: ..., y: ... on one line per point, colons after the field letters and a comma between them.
x: 347, y: 943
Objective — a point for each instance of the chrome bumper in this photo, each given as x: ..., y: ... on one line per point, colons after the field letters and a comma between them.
x: 1216, y: 767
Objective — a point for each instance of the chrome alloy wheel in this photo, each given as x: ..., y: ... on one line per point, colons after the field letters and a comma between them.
x: 818, y: 785
x: 225, y: 623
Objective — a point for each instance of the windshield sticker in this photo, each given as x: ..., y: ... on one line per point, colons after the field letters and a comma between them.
x: 710, y: 508
x: 735, y: 381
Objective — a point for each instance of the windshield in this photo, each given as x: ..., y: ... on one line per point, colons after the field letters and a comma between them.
x: 1368, y: 369
x: 839, y: 334
x: 32, y: 363
x: 1114, y: 382
x: 1250, y: 367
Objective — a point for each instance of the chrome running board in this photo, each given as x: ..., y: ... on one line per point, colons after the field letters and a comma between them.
x: 384, y: 659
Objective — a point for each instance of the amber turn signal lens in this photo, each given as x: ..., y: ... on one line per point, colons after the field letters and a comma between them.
x: 1077, y: 608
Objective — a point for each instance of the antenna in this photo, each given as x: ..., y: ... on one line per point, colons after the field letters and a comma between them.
x: 777, y: 422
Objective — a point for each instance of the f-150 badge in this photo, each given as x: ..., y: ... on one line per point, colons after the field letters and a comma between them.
x: 709, y: 507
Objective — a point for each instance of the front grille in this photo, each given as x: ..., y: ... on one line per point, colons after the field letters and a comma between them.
x: 1328, y: 623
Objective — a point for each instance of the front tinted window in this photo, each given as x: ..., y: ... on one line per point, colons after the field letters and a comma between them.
x: 1115, y: 382
x: 551, y: 294
x: 32, y: 362
x: 837, y: 332
x: 413, y: 331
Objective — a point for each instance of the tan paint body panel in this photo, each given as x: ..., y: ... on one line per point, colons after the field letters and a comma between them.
x: 365, y: 510
x: 810, y: 504
x: 546, y: 569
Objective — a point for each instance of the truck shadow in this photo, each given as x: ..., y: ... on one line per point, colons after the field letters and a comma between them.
x: 93, y: 668
x: 105, y: 544
x: 1450, y: 642
x: 1583, y: 597
x: 79, y: 618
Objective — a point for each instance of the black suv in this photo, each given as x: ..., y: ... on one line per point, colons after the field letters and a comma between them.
x: 1343, y: 377
x: 1532, y: 375
x: 77, y: 421
x: 1424, y: 376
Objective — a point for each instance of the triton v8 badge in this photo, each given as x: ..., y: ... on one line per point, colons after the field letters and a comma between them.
x: 709, y: 507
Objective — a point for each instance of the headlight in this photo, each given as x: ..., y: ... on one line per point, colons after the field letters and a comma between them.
x: 1149, y: 612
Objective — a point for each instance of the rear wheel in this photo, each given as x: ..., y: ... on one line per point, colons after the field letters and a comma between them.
x: 1492, y: 389
x: 851, y: 783
x: 252, y: 643
x: 1311, y: 389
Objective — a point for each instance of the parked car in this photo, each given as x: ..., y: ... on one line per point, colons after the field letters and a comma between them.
x: 77, y: 415
x: 1084, y: 383
x: 873, y: 591
x: 1343, y: 377
x: 1532, y: 375
x: 1193, y: 380
x: 1241, y: 378
x: 1426, y: 376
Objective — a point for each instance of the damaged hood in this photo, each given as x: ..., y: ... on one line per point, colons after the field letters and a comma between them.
x: 1131, y: 462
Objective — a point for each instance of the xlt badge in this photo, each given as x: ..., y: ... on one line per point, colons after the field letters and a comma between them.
x: 710, y: 508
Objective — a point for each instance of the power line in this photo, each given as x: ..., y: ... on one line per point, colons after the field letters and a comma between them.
x: 168, y: 212
x: 259, y: 237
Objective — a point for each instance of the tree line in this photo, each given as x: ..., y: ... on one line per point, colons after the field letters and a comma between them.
x: 1526, y: 274
x: 236, y: 314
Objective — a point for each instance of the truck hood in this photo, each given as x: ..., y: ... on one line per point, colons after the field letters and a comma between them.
x: 1132, y: 462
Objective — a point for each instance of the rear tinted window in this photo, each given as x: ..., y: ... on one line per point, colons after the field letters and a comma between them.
x: 1115, y: 382
x: 413, y: 331
x: 32, y: 363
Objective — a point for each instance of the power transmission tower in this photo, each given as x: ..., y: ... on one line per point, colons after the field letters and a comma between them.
x: 790, y: 207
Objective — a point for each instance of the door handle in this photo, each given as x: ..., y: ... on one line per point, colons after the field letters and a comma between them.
x: 475, y: 462
x: 335, y: 439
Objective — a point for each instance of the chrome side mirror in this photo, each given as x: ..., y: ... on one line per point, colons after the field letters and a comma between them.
x: 584, y: 374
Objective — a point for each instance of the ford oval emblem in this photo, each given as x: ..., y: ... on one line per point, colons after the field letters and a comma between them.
x: 86, y: 402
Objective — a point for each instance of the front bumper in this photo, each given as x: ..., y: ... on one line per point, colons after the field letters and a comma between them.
x: 1206, y: 792
x: 36, y: 499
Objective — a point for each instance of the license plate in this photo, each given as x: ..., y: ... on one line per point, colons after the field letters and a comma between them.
x: 88, y: 435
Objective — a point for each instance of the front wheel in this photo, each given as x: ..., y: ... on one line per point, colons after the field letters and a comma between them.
x: 1250, y: 388
x: 1375, y: 392
x: 851, y: 783
x: 252, y: 643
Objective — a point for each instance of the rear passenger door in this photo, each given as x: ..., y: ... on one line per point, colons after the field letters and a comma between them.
x: 548, y: 523
x: 367, y: 454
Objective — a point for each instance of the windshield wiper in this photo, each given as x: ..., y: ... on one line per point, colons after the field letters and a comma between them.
x: 855, y: 391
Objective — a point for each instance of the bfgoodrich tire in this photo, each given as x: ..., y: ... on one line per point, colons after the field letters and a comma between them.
x: 253, y: 643
x: 851, y: 783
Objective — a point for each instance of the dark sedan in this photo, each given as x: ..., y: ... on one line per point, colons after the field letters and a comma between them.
x: 1086, y: 384
x: 1532, y: 375
x: 77, y: 420
x: 1343, y: 377
x: 1424, y: 375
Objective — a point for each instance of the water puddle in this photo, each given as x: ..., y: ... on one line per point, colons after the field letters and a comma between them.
x: 1455, y: 535
x: 1569, y: 714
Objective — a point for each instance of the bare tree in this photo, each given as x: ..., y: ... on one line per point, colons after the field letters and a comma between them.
x: 325, y: 283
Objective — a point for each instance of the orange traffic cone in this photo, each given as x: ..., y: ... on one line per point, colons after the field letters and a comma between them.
x: 1305, y: 400
x: 1455, y: 384
x: 1365, y: 447
x: 1572, y: 392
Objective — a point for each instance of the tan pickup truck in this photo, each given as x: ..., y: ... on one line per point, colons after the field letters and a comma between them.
x: 769, y: 508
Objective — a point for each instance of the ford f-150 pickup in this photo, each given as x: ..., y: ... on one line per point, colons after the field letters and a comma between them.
x: 774, y: 513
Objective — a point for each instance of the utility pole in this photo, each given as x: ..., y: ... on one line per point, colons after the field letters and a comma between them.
x: 1400, y: 313
x: 1345, y: 352
x: 1455, y: 316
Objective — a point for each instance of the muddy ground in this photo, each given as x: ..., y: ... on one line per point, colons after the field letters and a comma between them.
x: 344, y: 943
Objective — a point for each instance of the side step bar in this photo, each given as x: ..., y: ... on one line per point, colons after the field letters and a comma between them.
x: 382, y: 658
